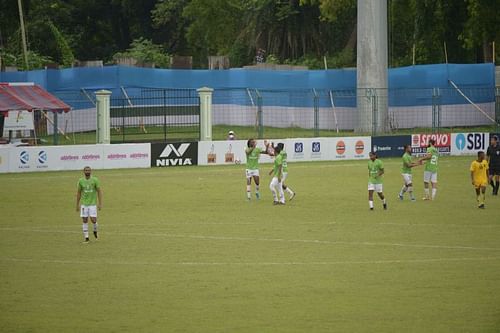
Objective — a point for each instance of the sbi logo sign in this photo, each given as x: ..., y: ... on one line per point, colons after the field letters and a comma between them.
x: 470, y: 141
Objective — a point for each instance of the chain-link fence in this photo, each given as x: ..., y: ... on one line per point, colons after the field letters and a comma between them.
x: 157, y: 115
x: 308, y: 113
x: 148, y: 115
x: 137, y: 115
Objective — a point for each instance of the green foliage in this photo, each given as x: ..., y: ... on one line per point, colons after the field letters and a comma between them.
x: 482, y: 25
x: 67, y: 57
x: 146, y: 51
x: 342, y: 59
x: 294, y: 31
x: 168, y: 20
x: 214, y: 25
x: 35, y: 60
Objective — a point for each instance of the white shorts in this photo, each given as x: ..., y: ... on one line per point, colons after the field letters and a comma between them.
x: 375, y: 187
x: 284, y: 176
x: 86, y: 211
x: 275, y: 182
x: 252, y: 173
x: 430, y: 177
x: 408, y: 178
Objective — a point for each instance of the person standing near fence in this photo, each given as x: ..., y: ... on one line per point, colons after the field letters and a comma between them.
x: 493, y: 154
x: 479, y: 177
x: 375, y: 172
x: 431, y: 170
x: 252, y: 168
x: 89, y: 192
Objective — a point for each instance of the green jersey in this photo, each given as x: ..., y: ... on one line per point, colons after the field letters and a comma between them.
x: 432, y: 164
x: 406, y: 162
x: 278, y: 161
x: 253, y: 158
x: 284, y: 163
x: 374, y: 167
x: 88, y: 188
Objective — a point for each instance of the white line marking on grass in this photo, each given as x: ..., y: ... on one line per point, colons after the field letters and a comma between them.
x: 375, y: 224
x: 286, y: 263
x: 280, y: 240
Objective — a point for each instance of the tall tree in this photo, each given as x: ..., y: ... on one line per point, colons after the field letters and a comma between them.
x: 482, y: 27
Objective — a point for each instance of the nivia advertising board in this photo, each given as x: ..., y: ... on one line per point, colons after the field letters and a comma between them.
x: 174, y: 154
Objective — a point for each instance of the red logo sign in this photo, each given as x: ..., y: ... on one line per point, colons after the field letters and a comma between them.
x: 422, y: 140
x: 340, y: 147
x: 359, y: 147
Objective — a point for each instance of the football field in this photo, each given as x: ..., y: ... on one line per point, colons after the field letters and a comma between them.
x: 181, y: 250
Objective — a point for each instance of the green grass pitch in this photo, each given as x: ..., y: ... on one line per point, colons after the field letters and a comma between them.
x: 182, y: 251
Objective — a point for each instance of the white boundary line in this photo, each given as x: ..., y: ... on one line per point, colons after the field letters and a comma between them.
x: 278, y: 240
x: 287, y: 263
x: 375, y: 224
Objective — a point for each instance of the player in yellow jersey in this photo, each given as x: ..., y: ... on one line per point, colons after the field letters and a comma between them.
x: 479, y: 177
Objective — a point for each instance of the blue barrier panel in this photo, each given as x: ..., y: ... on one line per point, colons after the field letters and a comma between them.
x: 409, y: 86
x: 390, y: 146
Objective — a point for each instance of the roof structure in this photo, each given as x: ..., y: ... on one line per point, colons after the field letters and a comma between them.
x: 29, y: 96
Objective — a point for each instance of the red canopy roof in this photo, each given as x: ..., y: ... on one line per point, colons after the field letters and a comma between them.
x: 27, y: 96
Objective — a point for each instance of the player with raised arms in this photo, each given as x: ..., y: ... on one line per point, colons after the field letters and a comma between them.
x: 90, y: 195
x: 252, y: 168
x: 431, y: 169
x: 277, y: 172
x: 406, y: 172
x: 479, y: 177
x: 375, y: 172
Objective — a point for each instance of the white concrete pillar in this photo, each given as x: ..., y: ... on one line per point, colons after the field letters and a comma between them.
x: 205, y: 113
x: 372, y: 66
x: 103, y: 116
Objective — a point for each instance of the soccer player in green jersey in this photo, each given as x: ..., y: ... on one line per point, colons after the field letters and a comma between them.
x: 277, y: 173
x: 90, y: 195
x: 431, y: 170
x: 252, y: 168
x: 375, y: 172
x: 285, y: 171
x: 406, y: 172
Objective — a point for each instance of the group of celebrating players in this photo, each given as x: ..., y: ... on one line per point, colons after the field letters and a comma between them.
x: 279, y: 171
x: 485, y: 169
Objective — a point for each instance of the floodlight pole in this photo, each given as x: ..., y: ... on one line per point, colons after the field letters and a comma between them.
x: 372, y: 63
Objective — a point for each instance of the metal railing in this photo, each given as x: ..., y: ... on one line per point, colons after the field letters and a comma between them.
x: 149, y: 115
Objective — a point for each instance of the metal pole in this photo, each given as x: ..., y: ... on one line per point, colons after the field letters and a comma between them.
x: 164, y: 115
x: 23, y: 33
x: 260, y: 115
x: 316, y: 113
x: 56, y: 136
